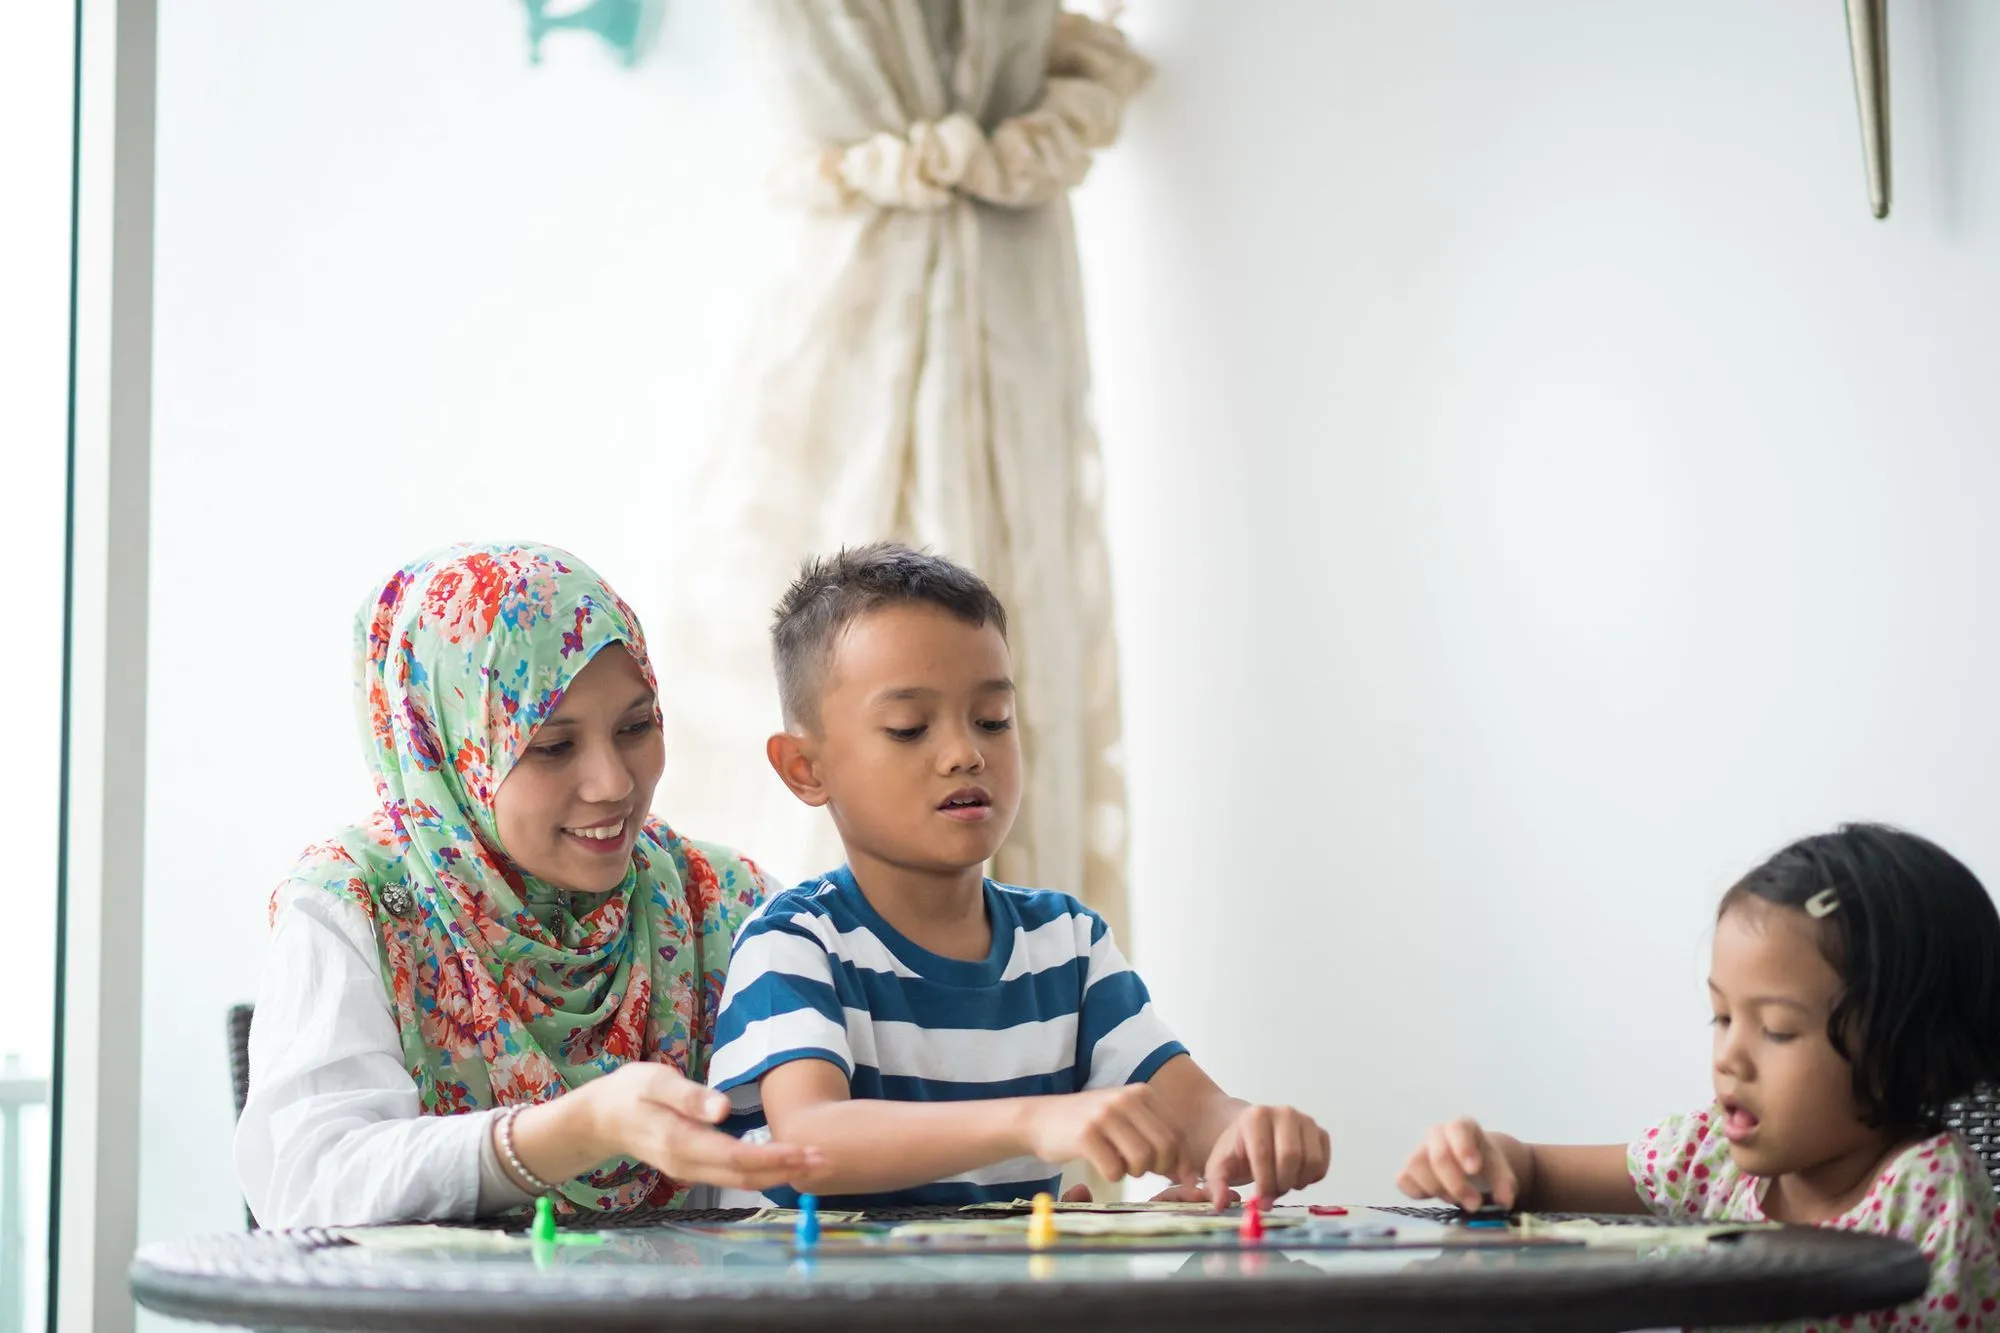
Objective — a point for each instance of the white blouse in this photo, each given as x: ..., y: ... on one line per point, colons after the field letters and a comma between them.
x: 332, y: 1133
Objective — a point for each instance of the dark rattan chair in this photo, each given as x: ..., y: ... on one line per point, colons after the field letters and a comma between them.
x: 239, y: 1054
x: 239, y: 1069
x: 1977, y: 1120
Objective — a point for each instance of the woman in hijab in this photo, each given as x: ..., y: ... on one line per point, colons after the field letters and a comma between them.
x: 504, y: 983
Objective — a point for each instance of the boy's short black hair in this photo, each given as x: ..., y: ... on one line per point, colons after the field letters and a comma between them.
x: 1916, y: 941
x: 832, y: 591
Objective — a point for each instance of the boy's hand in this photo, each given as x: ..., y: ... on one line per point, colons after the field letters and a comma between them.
x: 1195, y: 1193
x: 1460, y: 1162
x: 1276, y: 1147
x: 1119, y: 1131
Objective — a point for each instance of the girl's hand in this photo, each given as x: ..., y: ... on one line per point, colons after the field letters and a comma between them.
x: 1120, y: 1131
x: 1461, y: 1163
x: 1276, y: 1147
x: 658, y: 1115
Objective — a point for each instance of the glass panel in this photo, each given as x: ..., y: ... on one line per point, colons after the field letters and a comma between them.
x: 411, y: 287
x: 37, y: 67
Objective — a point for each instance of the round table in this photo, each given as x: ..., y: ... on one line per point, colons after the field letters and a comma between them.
x: 661, y: 1272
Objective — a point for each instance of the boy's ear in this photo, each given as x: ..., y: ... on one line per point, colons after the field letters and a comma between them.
x: 792, y: 760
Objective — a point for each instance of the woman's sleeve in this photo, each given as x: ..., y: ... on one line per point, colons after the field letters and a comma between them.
x: 331, y: 1134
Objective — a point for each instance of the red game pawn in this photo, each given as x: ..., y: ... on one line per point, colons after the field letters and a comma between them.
x: 1253, y: 1220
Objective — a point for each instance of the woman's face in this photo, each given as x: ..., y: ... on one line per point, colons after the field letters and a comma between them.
x: 570, y: 809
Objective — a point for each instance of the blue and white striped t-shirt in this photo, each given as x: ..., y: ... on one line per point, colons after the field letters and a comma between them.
x: 817, y: 974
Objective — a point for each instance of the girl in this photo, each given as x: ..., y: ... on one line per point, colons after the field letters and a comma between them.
x: 504, y: 983
x: 1855, y: 984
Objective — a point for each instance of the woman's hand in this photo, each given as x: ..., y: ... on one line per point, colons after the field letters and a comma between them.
x: 656, y: 1114
x: 1462, y: 1163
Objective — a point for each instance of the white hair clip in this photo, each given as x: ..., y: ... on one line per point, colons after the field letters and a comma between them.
x: 1822, y: 904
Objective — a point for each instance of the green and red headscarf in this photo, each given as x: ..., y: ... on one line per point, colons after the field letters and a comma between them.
x: 505, y: 989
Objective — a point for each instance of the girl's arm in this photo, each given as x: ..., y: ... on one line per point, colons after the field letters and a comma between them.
x: 1561, y: 1178
x: 1461, y: 1162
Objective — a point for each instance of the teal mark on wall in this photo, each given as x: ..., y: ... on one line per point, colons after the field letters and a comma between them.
x: 628, y: 27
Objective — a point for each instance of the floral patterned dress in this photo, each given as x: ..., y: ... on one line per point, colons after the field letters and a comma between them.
x: 1934, y: 1194
x: 506, y: 990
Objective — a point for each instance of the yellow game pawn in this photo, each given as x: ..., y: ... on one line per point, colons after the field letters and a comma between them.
x: 1042, y: 1223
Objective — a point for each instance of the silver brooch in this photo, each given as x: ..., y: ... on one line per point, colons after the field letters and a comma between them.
x: 396, y: 897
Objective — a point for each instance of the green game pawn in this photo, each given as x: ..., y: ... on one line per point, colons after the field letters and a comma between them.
x: 545, y: 1220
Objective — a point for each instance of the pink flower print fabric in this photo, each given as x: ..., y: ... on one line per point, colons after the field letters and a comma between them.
x: 1934, y: 1194
x: 508, y: 991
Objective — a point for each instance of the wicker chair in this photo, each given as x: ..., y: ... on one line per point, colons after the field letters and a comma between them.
x: 239, y: 1069
x: 1977, y: 1120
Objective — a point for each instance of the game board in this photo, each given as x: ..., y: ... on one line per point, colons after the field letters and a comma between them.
x: 774, y: 1235
x: 1115, y: 1227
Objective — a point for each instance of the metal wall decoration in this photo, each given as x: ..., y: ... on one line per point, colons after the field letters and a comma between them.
x: 1868, y: 44
x: 626, y: 26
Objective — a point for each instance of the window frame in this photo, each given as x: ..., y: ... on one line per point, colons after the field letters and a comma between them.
x: 93, y: 1212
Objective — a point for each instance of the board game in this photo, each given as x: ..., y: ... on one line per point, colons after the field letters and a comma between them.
x: 815, y: 1240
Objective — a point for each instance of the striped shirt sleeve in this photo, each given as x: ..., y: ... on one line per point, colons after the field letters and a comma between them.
x: 779, y: 1005
x: 1119, y: 1038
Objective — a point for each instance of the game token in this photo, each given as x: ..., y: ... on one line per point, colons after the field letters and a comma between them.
x: 545, y: 1219
x: 1253, y: 1220
x: 1042, y: 1225
x: 805, y: 1234
x: 1488, y: 1214
x: 1326, y: 1210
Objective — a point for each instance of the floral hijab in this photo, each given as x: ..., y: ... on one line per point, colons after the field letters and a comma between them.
x: 505, y: 989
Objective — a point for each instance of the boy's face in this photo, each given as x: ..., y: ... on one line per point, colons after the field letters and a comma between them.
x: 916, y: 755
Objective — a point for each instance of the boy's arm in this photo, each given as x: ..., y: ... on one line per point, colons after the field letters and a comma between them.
x: 1275, y: 1147
x: 1198, y: 1102
x: 1122, y: 1039
x: 872, y: 1147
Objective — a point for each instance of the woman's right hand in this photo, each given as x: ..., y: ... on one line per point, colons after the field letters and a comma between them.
x: 658, y: 1115
x: 1462, y: 1163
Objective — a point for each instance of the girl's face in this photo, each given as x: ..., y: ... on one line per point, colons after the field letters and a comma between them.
x: 571, y: 808
x: 1787, y: 1095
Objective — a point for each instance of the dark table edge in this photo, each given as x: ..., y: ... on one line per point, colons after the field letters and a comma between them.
x: 1890, y: 1272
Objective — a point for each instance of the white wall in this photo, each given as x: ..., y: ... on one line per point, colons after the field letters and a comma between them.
x: 35, y: 145
x: 387, y: 245
x: 1538, y: 490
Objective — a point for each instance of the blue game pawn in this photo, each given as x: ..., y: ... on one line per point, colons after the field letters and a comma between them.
x: 805, y: 1234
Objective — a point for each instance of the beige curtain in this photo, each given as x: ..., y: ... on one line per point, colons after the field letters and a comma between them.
x: 922, y: 375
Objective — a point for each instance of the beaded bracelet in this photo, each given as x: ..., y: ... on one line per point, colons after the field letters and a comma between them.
x: 521, y: 1173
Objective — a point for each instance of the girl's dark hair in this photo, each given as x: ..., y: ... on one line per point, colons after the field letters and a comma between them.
x: 1916, y: 941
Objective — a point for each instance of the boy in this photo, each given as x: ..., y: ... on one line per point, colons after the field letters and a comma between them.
x: 941, y: 1038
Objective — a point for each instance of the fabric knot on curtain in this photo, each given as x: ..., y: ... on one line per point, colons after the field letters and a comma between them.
x: 1028, y: 159
x: 919, y: 371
